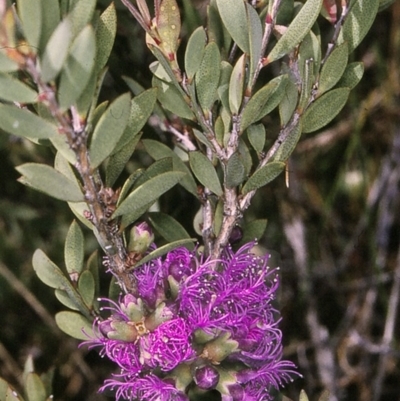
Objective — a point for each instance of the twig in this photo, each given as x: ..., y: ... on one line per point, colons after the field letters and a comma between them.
x: 109, y: 237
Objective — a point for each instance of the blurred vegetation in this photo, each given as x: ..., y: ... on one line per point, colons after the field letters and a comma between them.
x: 335, y: 232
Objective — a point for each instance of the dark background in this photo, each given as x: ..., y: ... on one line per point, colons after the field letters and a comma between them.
x: 335, y: 233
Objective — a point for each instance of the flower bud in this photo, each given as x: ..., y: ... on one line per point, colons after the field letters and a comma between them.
x: 206, y: 377
x: 141, y: 237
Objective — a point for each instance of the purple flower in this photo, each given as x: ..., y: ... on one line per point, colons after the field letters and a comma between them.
x: 197, y: 323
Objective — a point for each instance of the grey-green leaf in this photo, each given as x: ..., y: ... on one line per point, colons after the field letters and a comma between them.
x: 194, y: 52
x: 56, y: 51
x: 65, y: 299
x: 263, y: 176
x: 30, y: 13
x: 86, y: 287
x: 74, y: 324
x: 109, y: 129
x: 48, y: 180
x: 158, y: 151
x: 148, y: 192
x: 48, y: 272
x: 158, y: 167
x: 236, y: 84
x: 333, y: 69
x: 162, y: 250
x: 78, y: 68
x: 289, y: 102
x: 235, y: 171
x: 360, y: 18
x: 254, y: 230
x: 168, y: 227
x: 264, y: 101
x: 25, y: 124
x: 74, y: 249
x: 171, y: 99
x: 255, y: 39
x: 289, y: 144
x: 142, y: 106
x: 50, y: 20
x: 256, y: 136
x: 325, y: 109
x: 205, y: 172
x: 117, y: 161
x: 34, y: 388
x: 234, y: 16
x: 81, y: 15
x: 352, y: 75
x: 13, y: 90
x: 207, y: 76
x: 6, y: 64
x: 297, y: 30
x: 105, y: 34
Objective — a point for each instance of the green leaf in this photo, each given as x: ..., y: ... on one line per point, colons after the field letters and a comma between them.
x: 162, y: 250
x: 168, y: 24
x: 255, y: 39
x: 50, y: 19
x: 333, y: 69
x: 34, y: 388
x: 167, y: 226
x: 289, y: 102
x: 325, y: 109
x: 75, y: 325
x: 105, y: 35
x: 7, y: 393
x: 297, y: 30
x: 86, y: 287
x: 264, y: 101
x: 158, y: 151
x: 148, y: 192
x: 357, y: 23
x: 78, y: 68
x: 205, y: 172
x: 207, y: 77
x: 141, y: 108
x: 194, y: 52
x: 256, y: 135
x: 235, y: 171
x: 289, y: 144
x: 48, y: 180
x: 254, y: 230
x: 81, y: 15
x: 13, y: 90
x: 56, y: 51
x: 234, y: 16
x: 109, y: 130
x: 25, y: 124
x: 30, y: 13
x: 171, y: 99
x: 117, y: 161
x: 236, y: 85
x: 74, y: 249
x: 48, y: 272
x: 263, y: 176
x: 352, y: 75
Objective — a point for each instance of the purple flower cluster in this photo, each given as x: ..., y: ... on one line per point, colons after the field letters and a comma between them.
x: 197, y: 325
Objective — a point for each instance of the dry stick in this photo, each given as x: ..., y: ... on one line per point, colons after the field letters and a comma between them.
x: 110, y: 239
